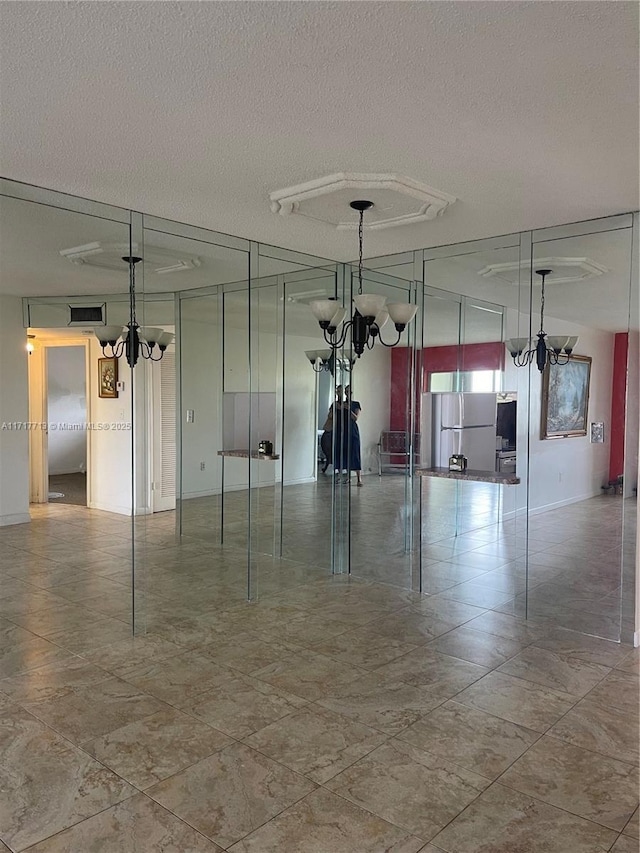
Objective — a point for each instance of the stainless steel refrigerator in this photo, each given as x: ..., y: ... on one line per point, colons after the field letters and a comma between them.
x: 462, y: 423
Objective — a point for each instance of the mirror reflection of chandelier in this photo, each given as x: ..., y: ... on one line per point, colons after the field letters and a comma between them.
x: 326, y: 359
x: 552, y: 349
x: 132, y: 341
x: 370, y: 313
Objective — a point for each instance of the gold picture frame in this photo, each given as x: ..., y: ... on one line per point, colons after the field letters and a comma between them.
x: 565, y: 398
x: 108, y: 377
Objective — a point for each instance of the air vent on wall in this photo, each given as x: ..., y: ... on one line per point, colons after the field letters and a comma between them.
x: 81, y: 314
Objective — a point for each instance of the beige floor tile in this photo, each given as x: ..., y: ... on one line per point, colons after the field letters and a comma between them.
x: 363, y: 648
x: 455, y: 612
x: 316, y: 742
x: 509, y: 627
x: 52, y: 681
x: 554, y: 670
x: 618, y: 690
x: 444, y: 675
x: 177, y: 679
x: 131, y: 651
x: 585, y: 783
x: 624, y: 844
x: 85, y: 711
x: 93, y: 635
x: 231, y: 793
x: 630, y: 663
x: 249, y: 652
x: 324, y: 823
x: 138, y: 825
x: 408, y: 787
x: 387, y: 705
x: 309, y: 675
x: 476, y: 646
x: 407, y: 626
x: 609, y: 731
x: 241, y: 705
x: 470, y: 738
x: 154, y: 748
x: 505, y: 821
x: 20, y: 650
x: 47, y: 783
x: 591, y: 649
x: 633, y: 827
x: 518, y: 701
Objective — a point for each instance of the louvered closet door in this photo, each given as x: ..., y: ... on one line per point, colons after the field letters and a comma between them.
x: 164, y: 476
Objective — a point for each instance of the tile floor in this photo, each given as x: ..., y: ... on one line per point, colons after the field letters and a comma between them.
x: 335, y: 715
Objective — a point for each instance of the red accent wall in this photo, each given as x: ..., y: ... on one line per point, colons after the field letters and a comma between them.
x: 618, y: 401
x: 485, y: 356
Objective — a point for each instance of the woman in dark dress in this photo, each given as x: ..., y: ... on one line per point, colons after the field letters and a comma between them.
x: 347, y: 450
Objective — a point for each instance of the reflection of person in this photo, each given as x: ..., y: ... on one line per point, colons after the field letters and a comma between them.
x: 326, y: 439
x: 348, y: 437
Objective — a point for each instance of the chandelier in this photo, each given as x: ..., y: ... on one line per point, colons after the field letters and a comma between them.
x: 131, y: 340
x: 554, y: 349
x: 370, y: 313
x: 326, y: 359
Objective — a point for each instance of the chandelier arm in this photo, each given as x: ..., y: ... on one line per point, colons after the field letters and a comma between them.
x: 337, y: 342
x: 394, y: 344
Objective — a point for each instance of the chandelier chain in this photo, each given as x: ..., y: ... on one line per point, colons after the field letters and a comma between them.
x: 542, y: 305
x: 360, y: 241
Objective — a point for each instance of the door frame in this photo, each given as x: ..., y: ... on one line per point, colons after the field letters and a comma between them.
x: 39, y: 415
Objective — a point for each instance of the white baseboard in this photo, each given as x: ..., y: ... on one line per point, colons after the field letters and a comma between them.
x: 14, y: 518
x: 636, y: 639
x: 106, y: 507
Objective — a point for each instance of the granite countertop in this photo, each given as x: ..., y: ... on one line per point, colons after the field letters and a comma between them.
x: 500, y: 479
x: 249, y: 454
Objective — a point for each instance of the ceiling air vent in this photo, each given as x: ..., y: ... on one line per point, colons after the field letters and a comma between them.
x: 79, y: 315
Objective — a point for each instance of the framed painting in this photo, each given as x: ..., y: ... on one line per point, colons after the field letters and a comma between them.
x: 107, y: 377
x: 565, y: 398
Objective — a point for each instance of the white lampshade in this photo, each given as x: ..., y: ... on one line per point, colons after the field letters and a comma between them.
x: 165, y: 339
x: 324, y: 309
x: 570, y: 344
x: 517, y: 345
x: 105, y: 334
x: 150, y: 334
x: 338, y: 317
x: 557, y: 342
x: 324, y: 354
x: 369, y: 304
x: 402, y: 313
x: 381, y: 318
x: 312, y: 355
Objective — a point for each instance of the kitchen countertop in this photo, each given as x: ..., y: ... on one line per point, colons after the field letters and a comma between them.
x: 249, y: 454
x: 477, y: 476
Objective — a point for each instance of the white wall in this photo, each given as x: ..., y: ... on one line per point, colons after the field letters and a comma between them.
x: 66, y: 404
x: 110, y: 440
x: 14, y: 406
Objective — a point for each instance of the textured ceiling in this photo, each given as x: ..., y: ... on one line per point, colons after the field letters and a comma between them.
x: 527, y: 112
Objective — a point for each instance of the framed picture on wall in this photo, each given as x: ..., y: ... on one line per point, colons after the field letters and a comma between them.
x: 107, y: 377
x: 565, y: 398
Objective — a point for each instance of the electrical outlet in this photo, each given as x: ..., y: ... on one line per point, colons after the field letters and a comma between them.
x: 191, y: 416
x: 202, y: 466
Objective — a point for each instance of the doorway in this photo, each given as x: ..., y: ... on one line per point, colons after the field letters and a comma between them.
x: 59, y: 449
x: 66, y: 400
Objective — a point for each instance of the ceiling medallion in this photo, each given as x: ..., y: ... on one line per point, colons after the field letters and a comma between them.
x: 109, y: 256
x: 563, y: 270
x: 398, y: 200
